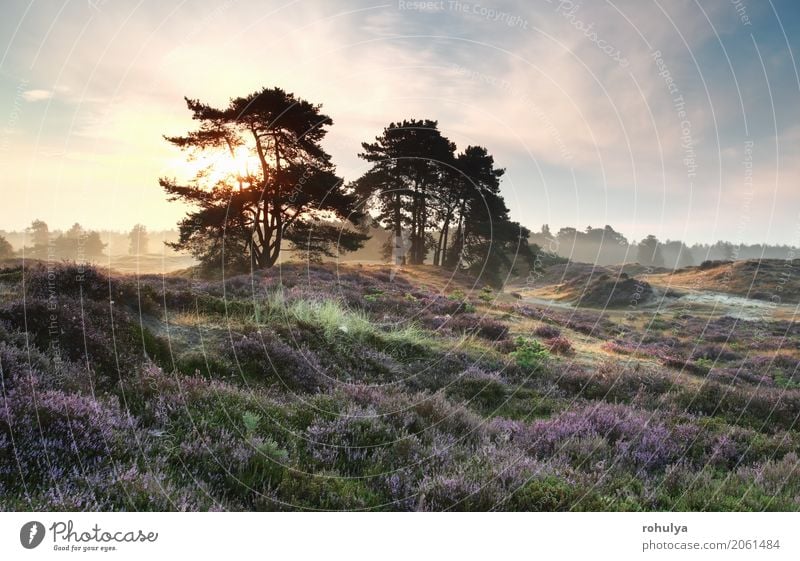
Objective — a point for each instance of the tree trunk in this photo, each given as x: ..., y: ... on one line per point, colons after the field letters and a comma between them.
x: 398, y: 232
x: 459, y: 237
x: 414, y: 226
x: 421, y: 253
x: 438, y: 257
x: 441, y: 246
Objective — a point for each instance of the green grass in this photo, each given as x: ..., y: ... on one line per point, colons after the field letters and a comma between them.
x: 336, y: 322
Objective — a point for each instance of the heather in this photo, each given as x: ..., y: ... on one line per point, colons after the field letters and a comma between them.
x: 314, y: 387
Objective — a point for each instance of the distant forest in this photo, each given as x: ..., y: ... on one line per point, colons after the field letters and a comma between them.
x: 79, y: 243
x: 606, y: 246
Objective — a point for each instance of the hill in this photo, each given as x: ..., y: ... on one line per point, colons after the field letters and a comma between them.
x: 587, y: 285
x: 775, y: 280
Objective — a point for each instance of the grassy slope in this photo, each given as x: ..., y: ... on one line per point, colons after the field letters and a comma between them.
x: 360, y: 387
x: 764, y: 280
x: 587, y: 285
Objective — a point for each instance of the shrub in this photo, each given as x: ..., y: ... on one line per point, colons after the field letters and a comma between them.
x: 54, y: 441
x: 453, y: 492
x: 484, y: 327
x: 615, y: 381
x: 547, y: 331
x: 638, y: 439
x: 265, y: 356
x: 529, y: 354
x: 68, y: 280
x: 48, y: 370
x: 546, y: 494
x: 714, y: 353
x: 327, y: 491
x: 437, y: 412
x: 776, y: 477
x: 357, y: 440
x: 477, y: 386
x: 228, y: 465
x: 458, y: 295
x: 559, y: 346
x: 205, y: 363
x: 106, y: 338
x: 153, y: 489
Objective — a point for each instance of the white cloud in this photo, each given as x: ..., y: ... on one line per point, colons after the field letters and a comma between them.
x: 36, y: 95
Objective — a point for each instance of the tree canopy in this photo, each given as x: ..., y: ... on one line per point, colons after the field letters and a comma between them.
x: 40, y: 236
x: 410, y: 160
x: 440, y: 206
x: 79, y: 244
x: 449, y: 204
x: 649, y: 252
x: 138, y: 239
x: 6, y: 250
x: 293, y: 195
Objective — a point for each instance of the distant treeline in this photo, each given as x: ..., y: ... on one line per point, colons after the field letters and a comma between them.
x: 38, y: 241
x: 606, y: 246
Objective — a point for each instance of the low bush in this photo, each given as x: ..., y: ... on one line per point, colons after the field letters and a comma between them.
x: 547, y: 331
x: 482, y: 326
x: 485, y: 389
x: 529, y: 354
x: 58, y: 443
x: 265, y: 357
x: 559, y: 346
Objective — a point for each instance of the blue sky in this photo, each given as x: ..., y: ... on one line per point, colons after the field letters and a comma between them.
x: 570, y: 97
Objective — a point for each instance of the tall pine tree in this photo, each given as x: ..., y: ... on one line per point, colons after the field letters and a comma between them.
x: 293, y: 194
x: 450, y: 205
x: 411, y: 160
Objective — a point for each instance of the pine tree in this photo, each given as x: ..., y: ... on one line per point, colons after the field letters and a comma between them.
x: 410, y: 160
x: 6, y: 250
x: 649, y: 252
x: 291, y: 195
x: 40, y: 236
x: 139, y: 240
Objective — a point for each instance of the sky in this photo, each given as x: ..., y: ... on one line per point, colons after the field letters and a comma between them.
x: 676, y: 118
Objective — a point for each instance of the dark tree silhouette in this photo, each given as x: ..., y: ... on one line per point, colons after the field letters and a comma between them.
x: 485, y: 239
x: 476, y: 198
x: 411, y: 160
x: 93, y: 245
x: 449, y: 205
x: 685, y: 258
x: 676, y: 254
x: 40, y: 236
x: 78, y: 244
x: 292, y: 195
x: 6, y: 250
x: 649, y: 252
x: 139, y: 240
x: 723, y: 250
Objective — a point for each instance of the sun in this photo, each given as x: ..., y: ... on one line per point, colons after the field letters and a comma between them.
x: 218, y: 165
